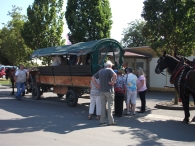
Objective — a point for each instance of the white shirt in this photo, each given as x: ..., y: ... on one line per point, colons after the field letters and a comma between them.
x: 21, y: 75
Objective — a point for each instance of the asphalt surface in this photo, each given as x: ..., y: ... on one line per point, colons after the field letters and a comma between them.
x: 50, y: 121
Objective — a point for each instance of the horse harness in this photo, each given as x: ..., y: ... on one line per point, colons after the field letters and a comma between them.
x: 179, y: 71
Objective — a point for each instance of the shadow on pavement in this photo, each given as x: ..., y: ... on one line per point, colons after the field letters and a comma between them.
x: 62, y: 119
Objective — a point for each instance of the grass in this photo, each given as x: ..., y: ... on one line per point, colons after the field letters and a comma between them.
x: 4, y: 81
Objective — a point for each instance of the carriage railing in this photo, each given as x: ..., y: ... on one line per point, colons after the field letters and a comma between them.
x: 73, y: 70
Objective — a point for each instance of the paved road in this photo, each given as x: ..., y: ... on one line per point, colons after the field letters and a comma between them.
x: 51, y: 122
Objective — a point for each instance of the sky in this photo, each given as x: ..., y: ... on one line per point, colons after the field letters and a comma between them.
x: 123, y: 12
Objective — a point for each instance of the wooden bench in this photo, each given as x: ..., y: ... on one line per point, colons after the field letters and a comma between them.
x: 80, y: 70
x: 61, y: 70
x: 46, y: 70
x: 73, y: 70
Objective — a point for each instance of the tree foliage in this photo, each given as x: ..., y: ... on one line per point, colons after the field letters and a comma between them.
x: 12, y: 45
x: 88, y: 20
x: 44, y: 26
x: 170, y: 25
x: 133, y: 34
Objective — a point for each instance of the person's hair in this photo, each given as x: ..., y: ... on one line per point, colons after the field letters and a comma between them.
x: 119, y: 72
x: 129, y: 70
x: 140, y: 71
x: 108, y: 63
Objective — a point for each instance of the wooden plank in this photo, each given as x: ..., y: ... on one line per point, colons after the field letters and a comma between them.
x: 46, y: 79
x: 60, y: 89
x: 81, y: 81
x: 78, y: 81
x: 63, y: 80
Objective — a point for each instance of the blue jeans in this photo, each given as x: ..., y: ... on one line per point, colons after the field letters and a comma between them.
x: 20, y: 89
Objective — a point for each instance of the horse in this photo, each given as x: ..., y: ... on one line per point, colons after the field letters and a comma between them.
x: 187, y: 61
x: 31, y: 80
x: 10, y: 73
x: 182, y: 76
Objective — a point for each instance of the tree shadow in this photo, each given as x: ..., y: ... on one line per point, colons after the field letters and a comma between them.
x: 62, y: 119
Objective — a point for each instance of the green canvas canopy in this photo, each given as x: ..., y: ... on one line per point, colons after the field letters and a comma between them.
x: 96, y: 51
x: 78, y: 49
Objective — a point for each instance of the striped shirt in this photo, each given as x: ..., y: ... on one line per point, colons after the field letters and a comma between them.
x: 95, y: 91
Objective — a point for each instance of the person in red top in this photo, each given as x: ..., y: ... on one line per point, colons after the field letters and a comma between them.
x: 119, y: 93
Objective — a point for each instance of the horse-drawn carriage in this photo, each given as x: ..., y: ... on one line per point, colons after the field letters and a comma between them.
x: 78, y: 63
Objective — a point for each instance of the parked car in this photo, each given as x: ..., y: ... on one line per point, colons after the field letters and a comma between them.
x: 3, y: 70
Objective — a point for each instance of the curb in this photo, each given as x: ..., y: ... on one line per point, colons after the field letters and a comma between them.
x: 171, y: 106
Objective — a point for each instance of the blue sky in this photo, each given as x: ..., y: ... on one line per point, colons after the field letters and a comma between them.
x: 123, y: 12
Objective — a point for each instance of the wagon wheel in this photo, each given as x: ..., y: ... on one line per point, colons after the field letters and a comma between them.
x: 36, y: 93
x: 71, y: 98
x: 60, y: 95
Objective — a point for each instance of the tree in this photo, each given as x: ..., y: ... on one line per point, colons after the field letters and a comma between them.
x: 44, y: 26
x: 12, y: 45
x: 133, y: 34
x: 88, y: 20
x: 170, y: 25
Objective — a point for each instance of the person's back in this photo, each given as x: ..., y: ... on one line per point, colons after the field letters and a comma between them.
x: 131, y: 82
x: 107, y: 79
x: 105, y: 76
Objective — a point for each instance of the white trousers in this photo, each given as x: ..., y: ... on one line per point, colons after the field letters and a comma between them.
x: 131, y: 96
x: 95, y: 101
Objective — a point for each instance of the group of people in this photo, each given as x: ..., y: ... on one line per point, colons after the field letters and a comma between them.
x: 110, y: 88
x: 71, y: 60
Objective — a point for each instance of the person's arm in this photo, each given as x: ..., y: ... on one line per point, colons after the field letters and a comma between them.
x: 95, y: 83
x: 113, y: 82
x: 141, y: 84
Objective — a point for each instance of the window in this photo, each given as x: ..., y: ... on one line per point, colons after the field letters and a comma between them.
x: 138, y: 64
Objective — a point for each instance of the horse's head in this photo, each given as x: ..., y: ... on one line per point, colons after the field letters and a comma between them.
x: 7, y: 73
x: 161, y: 65
x: 167, y: 61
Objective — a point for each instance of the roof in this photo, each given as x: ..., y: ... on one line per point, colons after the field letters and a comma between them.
x: 81, y: 48
x: 131, y: 54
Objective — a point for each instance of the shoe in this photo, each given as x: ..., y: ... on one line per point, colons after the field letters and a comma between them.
x: 17, y: 97
x: 98, y: 117
x: 141, y: 111
x: 127, y: 113
x: 89, y: 117
x: 134, y: 114
x: 103, y: 124
x: 113, y: 124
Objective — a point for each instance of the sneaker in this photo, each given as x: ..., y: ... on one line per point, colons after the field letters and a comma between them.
x: 141, y: 111
x: 98, y: 117
x: 89, y: 117
x: 127, y: 113
x: 113, y: 124
x: 103, y: 124
x: 17, y: 97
